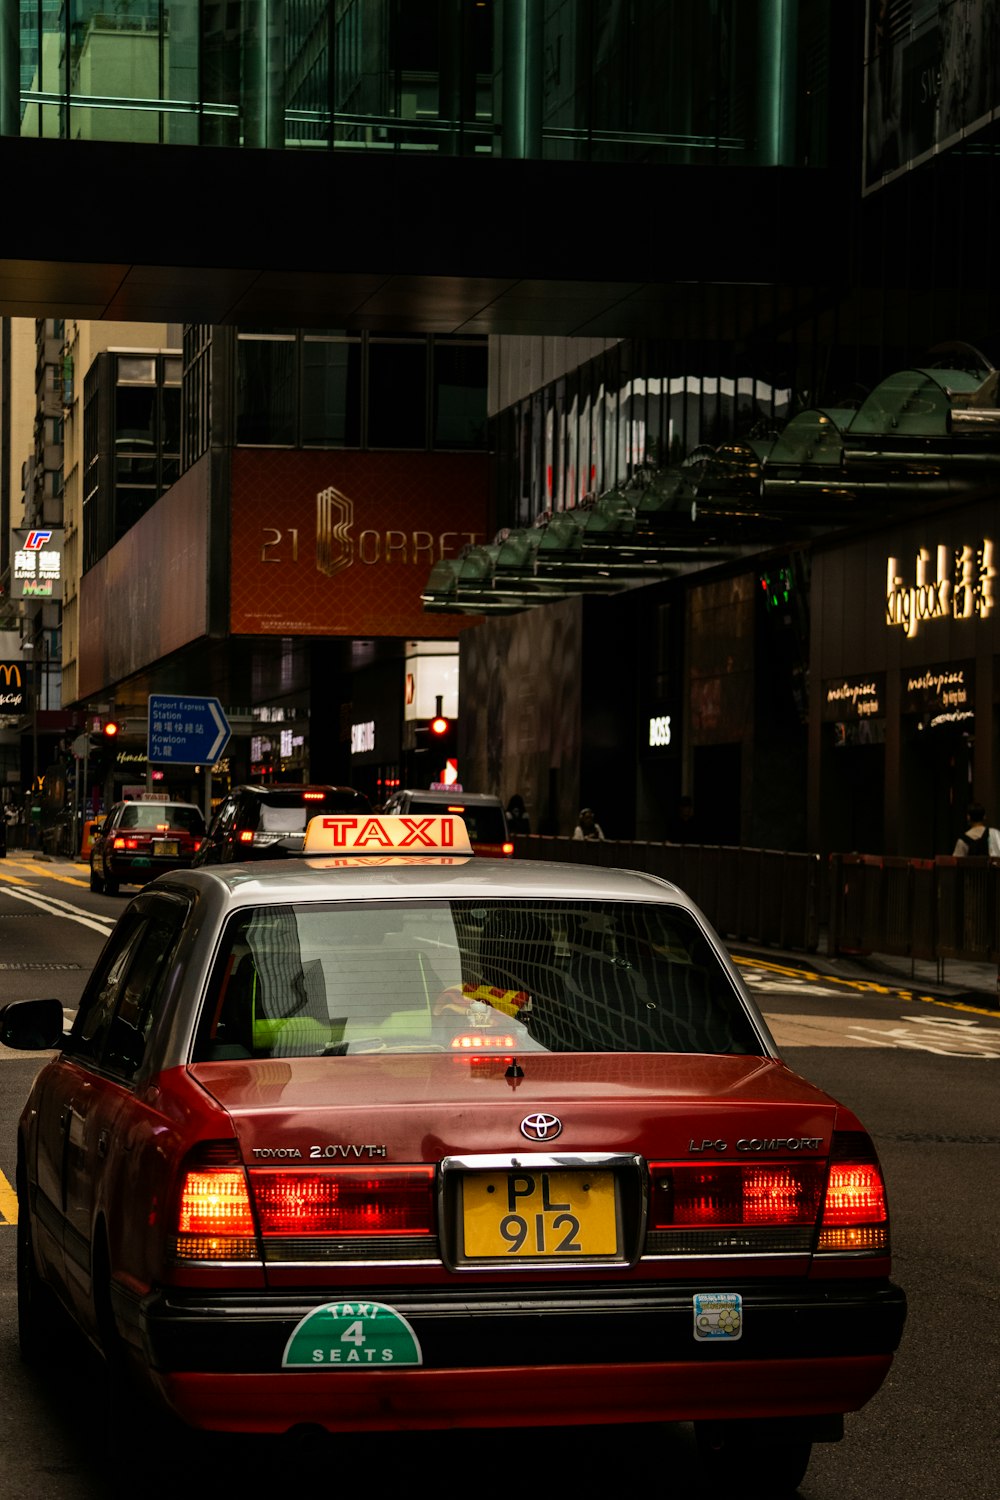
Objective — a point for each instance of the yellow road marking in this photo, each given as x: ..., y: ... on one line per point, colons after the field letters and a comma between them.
x: 27, y: 864
x: 862, y: 986
x: 8, y: 1202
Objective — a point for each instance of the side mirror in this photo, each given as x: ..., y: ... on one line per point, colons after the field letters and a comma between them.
x: 32, y: 1025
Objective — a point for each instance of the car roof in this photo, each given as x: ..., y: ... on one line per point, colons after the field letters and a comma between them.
x: 326, y: 878
x: 436, y: 794
x: 283, y: 788
x: 154, y: 802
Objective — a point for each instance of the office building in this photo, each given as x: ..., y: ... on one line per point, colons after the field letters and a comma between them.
x: 747, y: 214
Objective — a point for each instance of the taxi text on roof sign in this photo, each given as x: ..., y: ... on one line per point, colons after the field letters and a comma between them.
x: 417, y: 834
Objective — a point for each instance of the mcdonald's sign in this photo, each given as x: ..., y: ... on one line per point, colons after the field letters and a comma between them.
x: 11, y: 687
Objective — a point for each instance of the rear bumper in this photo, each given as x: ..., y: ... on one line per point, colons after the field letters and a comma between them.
x: 492, y: 1360
x: 522, y: 1395
x: 143, y: 868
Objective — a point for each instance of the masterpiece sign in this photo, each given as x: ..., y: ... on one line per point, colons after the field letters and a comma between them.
x: 958, y: 585
x: 342, y: 543
x: 848, y: 698
x: 940, y: 695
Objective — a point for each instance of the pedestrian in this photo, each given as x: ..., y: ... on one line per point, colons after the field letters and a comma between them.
x: 587, y: 825
x: 978, y: 841
x: 517, y: 815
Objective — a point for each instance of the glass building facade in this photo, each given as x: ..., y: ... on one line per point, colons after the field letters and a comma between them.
x: 323, y: 388
x: 681, y: 82
x: 640, y: 405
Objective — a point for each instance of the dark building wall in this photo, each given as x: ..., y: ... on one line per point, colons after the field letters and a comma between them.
x: 898, y: 781
x: 520, y: 718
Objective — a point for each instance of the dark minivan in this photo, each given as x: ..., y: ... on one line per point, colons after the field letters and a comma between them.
x: 483, y: 815
x: 269, y: 822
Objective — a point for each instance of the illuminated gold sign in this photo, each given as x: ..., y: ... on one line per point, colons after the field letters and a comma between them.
x: 337, y: 548
x: 854, y: 698
x: 957, y: 584
x: 940, y: 693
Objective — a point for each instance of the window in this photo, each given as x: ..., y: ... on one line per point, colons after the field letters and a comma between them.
x: 459, y: 395
x: 397, y: 394
x: 116, y: 1015
x: 266, y: 391
x: 469, y: 976
x: 331, y: 392
x: 324, y: 388
x: 197, y: 389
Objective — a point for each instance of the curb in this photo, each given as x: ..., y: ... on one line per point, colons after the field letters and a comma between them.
x: 856, y: 968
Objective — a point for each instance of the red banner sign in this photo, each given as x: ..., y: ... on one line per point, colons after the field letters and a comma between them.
x: 343, y: 543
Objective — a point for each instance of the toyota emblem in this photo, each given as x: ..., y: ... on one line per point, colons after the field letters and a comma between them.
x: 541, y: 1127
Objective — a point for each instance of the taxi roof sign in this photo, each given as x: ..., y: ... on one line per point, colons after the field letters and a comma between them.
x: 419, y: 833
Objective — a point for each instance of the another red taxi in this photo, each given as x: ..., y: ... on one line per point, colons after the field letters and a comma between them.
x: 139, y: 840
x: 390, y: 1137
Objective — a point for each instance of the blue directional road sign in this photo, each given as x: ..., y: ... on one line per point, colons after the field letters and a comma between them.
x: 186, y: 731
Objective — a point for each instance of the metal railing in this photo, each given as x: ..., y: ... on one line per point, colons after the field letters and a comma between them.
x: 759, y: 895
x: 932, y: 909
x: 939, y: 909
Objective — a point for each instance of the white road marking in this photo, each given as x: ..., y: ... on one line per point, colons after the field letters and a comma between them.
x: 57, y: 908
x: 946, y: 1037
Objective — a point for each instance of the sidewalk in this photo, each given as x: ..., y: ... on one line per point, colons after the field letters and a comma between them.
x: 974, y: 983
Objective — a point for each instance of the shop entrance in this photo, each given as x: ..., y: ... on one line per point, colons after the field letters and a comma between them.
x: 853, y: 816
x: 717, y: 773
x: 936, y: 787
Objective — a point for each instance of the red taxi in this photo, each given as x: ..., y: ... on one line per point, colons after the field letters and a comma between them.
x: 389, y: 1137
x: 142, y: 839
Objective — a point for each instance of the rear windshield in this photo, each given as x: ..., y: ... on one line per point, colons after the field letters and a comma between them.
x: 153, y: 815
x: 469, y: 976
x: 288, y: 812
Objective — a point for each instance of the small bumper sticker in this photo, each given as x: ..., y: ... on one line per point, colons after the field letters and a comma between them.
x: 352, y: 1336
x: 718, y: 1315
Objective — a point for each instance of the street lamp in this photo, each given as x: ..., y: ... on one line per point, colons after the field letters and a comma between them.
x: 39, y: 685
x: 30, y: 646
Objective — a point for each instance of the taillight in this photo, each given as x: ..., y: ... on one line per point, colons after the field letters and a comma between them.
x: 313, y: 796
x: 731, y: 1205
x: 344, y: 1201
x: 734, y: 1195
x: 123, y: 843
x: 508, y: 849
x: 480, y: 1041
x: 855, y: 1210
x: 214, y: 1217
x: 245, y: 836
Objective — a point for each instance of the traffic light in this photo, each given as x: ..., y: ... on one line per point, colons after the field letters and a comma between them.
x: 102, y: 749
x: 777, y: 586
x: 441, y: 735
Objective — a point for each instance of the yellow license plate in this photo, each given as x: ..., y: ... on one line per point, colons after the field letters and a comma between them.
x: 166, y: 847
x: 542, y: 1214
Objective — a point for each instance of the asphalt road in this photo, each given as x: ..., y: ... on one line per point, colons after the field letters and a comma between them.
x: 922, y: 1075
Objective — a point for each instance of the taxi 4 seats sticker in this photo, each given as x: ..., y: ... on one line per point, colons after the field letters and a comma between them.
x: 352, y: 1335
x: 717, y: 1315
